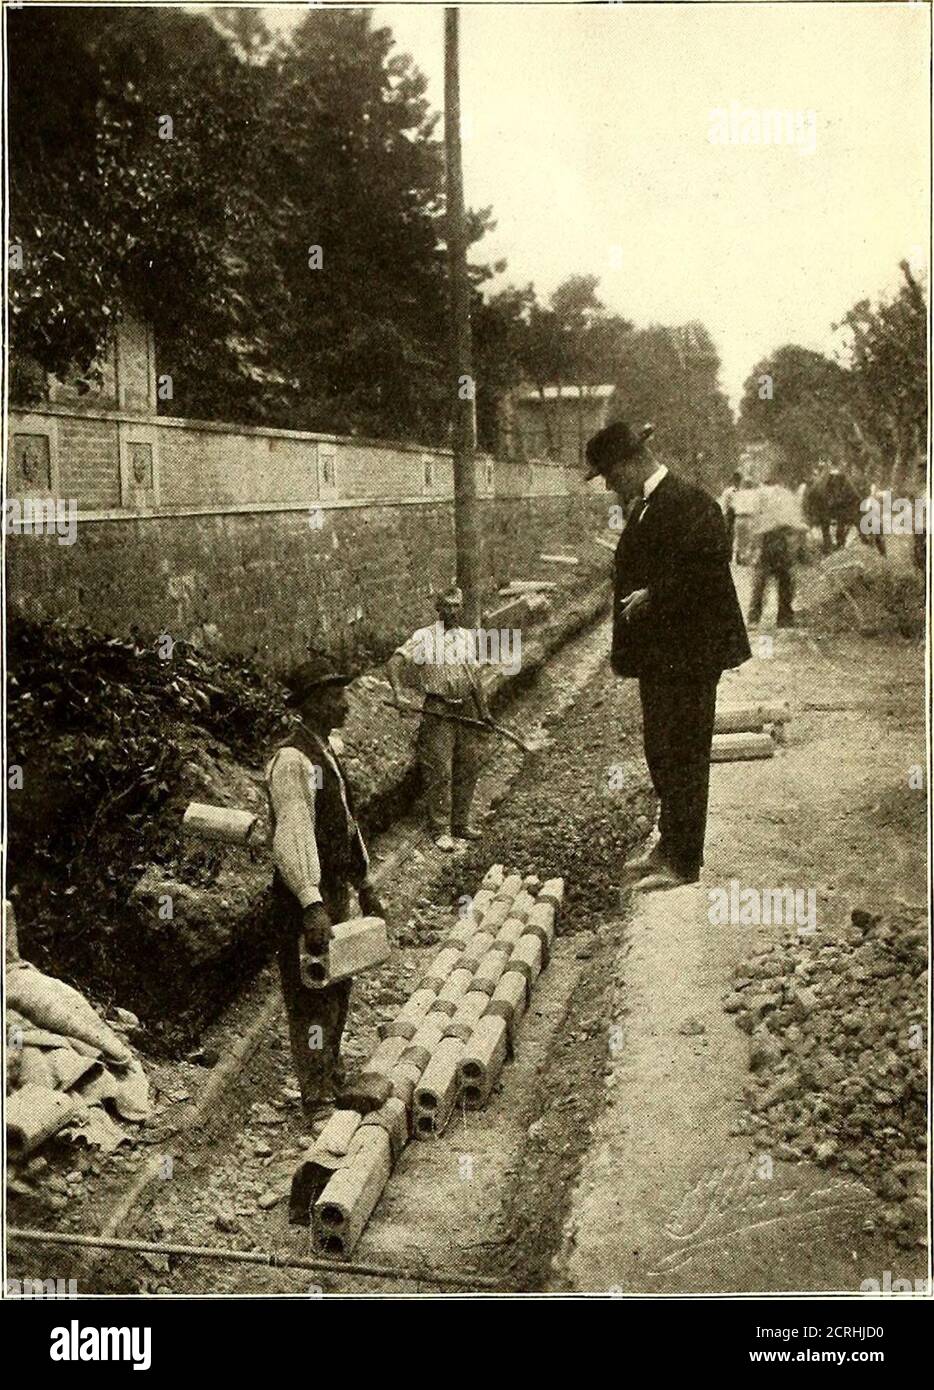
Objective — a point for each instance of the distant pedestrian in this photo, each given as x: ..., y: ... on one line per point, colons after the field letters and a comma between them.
x: 442, y: 663
x: 728, y: 509
x: 778, y: 525
x: 677, y: 625
x: 744, y: 504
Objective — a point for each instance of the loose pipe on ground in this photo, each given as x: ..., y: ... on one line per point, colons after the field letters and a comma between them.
x: 271, y: 1258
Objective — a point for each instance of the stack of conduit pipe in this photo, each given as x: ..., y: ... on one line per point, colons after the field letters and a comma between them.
x: 447, y: 1044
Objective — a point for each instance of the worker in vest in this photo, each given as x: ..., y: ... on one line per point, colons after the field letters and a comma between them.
x: 318, y: 853
x: 441, y: 662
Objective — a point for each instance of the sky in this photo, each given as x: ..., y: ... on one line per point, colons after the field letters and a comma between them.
x: 591, y: 131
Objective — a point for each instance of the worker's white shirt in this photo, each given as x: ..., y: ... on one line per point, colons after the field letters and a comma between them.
x: 777, y: 506
x: 442, y: 661
x: 744, y: 501
x: 293, y: 782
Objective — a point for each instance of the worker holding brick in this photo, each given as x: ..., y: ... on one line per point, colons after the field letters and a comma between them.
x: 318, y: 853
x: 677, y: 625
x: 442, y: 663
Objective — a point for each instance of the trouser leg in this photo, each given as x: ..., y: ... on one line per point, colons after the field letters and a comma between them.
x: 785, y: 578
x: 316, y: 1017
x: 759, y: 580
x: 678, y: 720
x: 468, y: 754
x: 654, y: 725
x: 436, y: 757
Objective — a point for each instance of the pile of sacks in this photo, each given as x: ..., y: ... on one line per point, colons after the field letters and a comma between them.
x: 838, y: 1052
x: 68, y: 1072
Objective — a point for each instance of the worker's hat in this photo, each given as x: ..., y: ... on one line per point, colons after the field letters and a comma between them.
x: 318, y: 672
x: 616, y: 443
x: 451, y: 597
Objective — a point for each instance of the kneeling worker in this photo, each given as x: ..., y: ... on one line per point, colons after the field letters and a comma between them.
x: 442, y: 663
x: 318, y: 853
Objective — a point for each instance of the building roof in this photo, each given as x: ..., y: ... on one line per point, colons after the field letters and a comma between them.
x: 552, y: 393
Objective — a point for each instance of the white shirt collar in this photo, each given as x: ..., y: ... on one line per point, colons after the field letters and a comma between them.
x: 652, y: 481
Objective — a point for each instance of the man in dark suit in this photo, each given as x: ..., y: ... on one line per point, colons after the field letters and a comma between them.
x: 677, y: 625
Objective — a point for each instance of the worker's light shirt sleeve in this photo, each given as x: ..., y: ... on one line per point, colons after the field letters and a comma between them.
x: 291, y: 781
x: 416, y: 652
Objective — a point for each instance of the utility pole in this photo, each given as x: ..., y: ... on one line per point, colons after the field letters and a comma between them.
x: 466, y: 501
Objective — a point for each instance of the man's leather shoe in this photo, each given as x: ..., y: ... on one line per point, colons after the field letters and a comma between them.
x: 648, y: 861
x: 661, y: 879
x: 467, y: 832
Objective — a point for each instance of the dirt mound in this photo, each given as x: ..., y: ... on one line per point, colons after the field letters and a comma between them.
x: 858, y: 590
x: 838, y: 1052
x: 577, y: 809
x: 112, y: 737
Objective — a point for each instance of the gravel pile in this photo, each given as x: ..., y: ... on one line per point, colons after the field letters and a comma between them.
x: 838, y: 1052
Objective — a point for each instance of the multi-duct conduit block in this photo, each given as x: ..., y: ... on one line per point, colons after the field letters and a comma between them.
x: 385, y: 1057
x: 493, y: 878
x: 419, y: 1050
x: 476, y: 950
x: 343, y: 1208
x: 522, y: 905
x: 455, y: 987
x: 510, y: 998
x: 472, y: 1008
x: 408, y: 1020
x: 507, y: 938
x: 508, y: 888
x: 404, y: 1077
x: 541, y: 923
x: 449, y: 1040
x: 437, y: 1089
x: 552, y: 891
x: 328, y: 1153
x: 495, y: 916
x: 440, y: 968
x: 527, y: 958
x: 482, y: 1061
x: 486, y: 976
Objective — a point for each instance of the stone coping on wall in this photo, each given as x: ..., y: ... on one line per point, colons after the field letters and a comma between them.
x: 179, y: 422
x: 263, y: 431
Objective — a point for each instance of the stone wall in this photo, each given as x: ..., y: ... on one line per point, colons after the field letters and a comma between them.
x: 269, y: 539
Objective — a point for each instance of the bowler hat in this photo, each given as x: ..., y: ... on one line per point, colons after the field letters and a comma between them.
x: 616, y: 443
x: 318, y: 672
x: 452, y: 597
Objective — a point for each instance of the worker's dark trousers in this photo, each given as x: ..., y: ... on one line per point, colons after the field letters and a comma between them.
x: 449, y: 756
x: 775, y: 559
x: 316, y: 1016
x: 677, y: 728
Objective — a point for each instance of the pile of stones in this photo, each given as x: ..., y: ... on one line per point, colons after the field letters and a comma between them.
x: 838, y: 1055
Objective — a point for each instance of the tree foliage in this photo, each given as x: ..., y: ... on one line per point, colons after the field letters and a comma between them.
x: 867, y: 411
x: 324, y: 139
x: 287, y: 239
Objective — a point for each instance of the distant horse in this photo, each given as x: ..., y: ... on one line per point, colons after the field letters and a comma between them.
x: 832, y: 502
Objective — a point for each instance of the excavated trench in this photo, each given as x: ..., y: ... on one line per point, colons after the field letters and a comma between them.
x: 542, y: 823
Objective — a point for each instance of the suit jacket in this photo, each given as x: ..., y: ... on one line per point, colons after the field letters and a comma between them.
x: 692, y: 626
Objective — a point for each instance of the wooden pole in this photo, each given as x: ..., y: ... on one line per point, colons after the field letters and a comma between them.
x: 466, y: 490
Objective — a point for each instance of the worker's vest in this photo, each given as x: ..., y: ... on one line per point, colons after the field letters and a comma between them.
x: 341, y: 852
